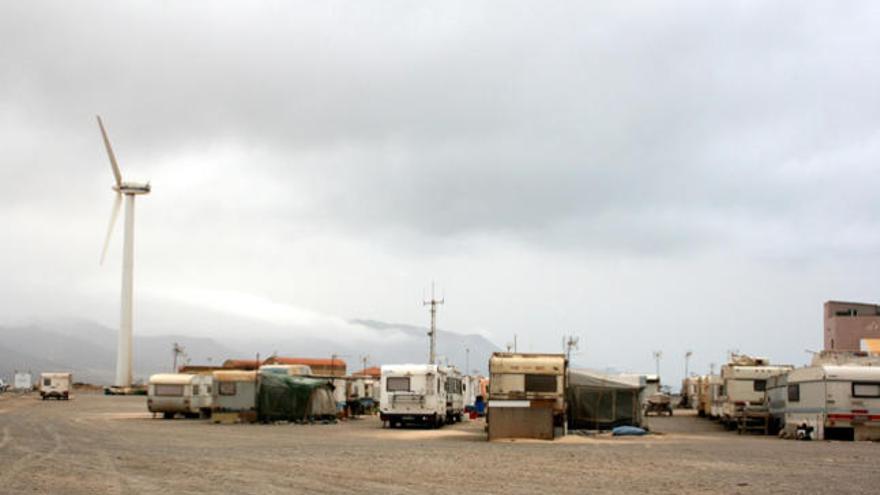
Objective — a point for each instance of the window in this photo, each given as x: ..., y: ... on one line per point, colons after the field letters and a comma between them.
x: 47, y: 382
x: 866, y: 389
x: 794, y: 392
x: 208, y: 390
x: 165, y: 390
x: 540, y: 383
x: 226, y: 388
x: 397, y: 384
x: 195, y: 390
x: 759, y: 385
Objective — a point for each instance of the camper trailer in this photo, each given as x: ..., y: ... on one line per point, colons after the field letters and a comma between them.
x: 415, y: 394
x: 55, y: 385
x: 830, y: 401
x: 235, y: 396
x: 744, y: 385
x: 171, y: 394
x: 527, y: 395
x: 689, y: 392
x: 775, y: 400
x: 711, y: 388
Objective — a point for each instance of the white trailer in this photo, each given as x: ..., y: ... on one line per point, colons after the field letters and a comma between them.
x: 744, y: 385
x: 22, y: 381
x: 454, y: 395
x: 414, y: 394
x: 55, y: 385
x: 834, y: 402
x: 180, y: 393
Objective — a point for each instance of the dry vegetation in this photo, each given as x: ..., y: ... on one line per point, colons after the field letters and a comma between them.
x: 96, y: 444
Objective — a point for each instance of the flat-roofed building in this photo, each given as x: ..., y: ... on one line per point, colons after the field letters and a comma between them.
x: 852, y: 326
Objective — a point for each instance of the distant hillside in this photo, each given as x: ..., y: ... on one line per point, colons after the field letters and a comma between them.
x: 88, y: 349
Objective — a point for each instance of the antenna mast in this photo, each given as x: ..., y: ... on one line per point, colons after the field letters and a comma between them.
x: 178, y: 351
x: 570, y: 344
x: 434, y: 302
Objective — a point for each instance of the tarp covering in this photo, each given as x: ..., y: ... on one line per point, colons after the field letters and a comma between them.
x: 598, y: 401
x: 294, y: 398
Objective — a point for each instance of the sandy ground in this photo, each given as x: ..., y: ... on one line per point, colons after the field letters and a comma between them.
x: 96, y: 444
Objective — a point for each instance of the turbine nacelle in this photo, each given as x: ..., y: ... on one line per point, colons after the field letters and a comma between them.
x: 132, y: 188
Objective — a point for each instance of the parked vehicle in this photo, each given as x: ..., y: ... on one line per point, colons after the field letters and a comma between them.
x: 744, y: 386
x: 454, y: 395
x: 55, y: 385
x: 834, y: 402
x: 189, y: 395
x: 658, y: 404
x: 776, y: 398
x: 527, y: 395
x: 235, y: 394
x: 416, y: 394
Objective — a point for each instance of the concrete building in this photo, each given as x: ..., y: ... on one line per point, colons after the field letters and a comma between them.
x: 852, y: 326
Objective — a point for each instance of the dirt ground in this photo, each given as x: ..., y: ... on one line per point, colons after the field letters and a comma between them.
x: 96, y: 444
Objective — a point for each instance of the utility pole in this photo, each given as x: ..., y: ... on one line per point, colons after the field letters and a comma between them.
x: 467, y: 360
x: 434, y: 302
x: 514, y: 342
x: 364, y: 360
x: 687, y: 357
x: 657, y: 356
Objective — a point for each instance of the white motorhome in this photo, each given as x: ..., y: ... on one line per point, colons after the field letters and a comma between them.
x: 744, y: 385
x: 415, y: 394
x: 180, y: 393
x: 834, y: 401
x: 470, y: 390
x: 55, y: 385
x: 455, y: 389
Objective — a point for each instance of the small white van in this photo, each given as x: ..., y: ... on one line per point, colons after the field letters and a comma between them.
x: 55, y: 385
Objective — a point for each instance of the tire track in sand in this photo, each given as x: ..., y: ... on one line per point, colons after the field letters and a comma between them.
x: 30, y: 457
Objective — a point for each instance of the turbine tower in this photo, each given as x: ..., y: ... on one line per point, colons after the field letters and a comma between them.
x: 129, y: 190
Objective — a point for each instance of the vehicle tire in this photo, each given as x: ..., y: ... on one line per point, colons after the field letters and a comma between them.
x: 670, y: 412
x: 167, y: 415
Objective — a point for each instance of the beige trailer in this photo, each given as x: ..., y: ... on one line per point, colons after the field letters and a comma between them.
x: 235, y: 396
x: 526, y: 395
x: 710, y: 391
x: 170, y: 394
x: 744, y: 385
x: 55, y: 385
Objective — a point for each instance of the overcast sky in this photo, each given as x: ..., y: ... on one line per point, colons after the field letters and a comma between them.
x: 647, y: 176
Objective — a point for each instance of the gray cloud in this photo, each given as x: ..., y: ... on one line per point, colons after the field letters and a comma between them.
x: 308, y: 151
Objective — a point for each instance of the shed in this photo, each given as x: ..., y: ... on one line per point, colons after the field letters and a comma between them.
x: 599, y: 401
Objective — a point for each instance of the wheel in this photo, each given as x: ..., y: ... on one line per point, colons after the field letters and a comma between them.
x: 670, y: 412
x: 168, y: 415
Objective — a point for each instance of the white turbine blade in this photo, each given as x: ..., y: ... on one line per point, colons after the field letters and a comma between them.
x: 110, y: 154
x: 113, y: 214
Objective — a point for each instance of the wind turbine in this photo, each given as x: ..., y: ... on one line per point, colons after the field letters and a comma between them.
x: 129, y: 190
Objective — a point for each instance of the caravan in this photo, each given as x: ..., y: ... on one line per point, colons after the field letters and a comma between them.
x: 55, y: 385
x: 180, y: 393
x: 829, y: 401
x: 744, y: 385
x: 419, y: 394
